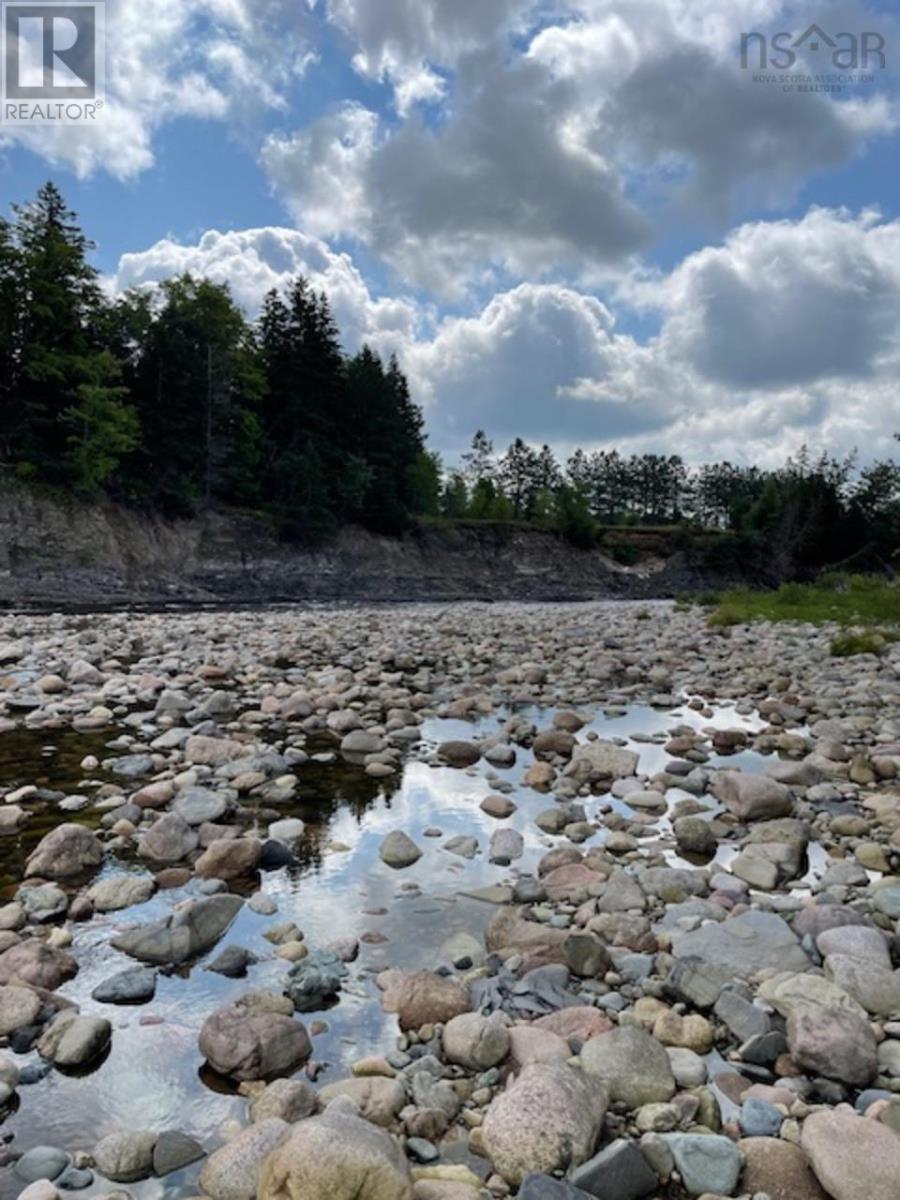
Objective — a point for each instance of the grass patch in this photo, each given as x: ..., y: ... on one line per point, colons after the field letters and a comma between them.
x: 846, y: 645
x: 866, y: 606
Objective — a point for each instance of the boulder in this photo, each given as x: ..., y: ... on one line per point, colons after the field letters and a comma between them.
x: 126, y: 1157
x: 254, y: 1039
x: 378, y: 1099
x: 337, y: 1156
x: 423, y: 998
x: 601, y: 760
x: 19, y: 1008
x: 37, y: 963
x: 778, y: 1169
x: 744, y: 945
x: 168, y: 840
x: 228, y: 859
x: 853, y: 1158
x: 548, y: 1119
x: 121, y: 891
x: 399, y: 851
x: 834, y: 1043
x: 71, y: 1040
x: 67, y: 851
x: 475, y: 1042
x: 232, y: 1172
x: 751, y: 797
x: 185, y: 935
x: 632, y: 1065
x: 707, y: 1163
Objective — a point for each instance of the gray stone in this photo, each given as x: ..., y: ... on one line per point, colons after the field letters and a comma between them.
x: 745, y: 945
x: 618, y: 1172
x: 706, y: 1162
x: 42, y: 1162
x: 183, y: 936
x: 399, y: 851
x: 121, y: 891
x: 135, y: 985
x: 834, y: 1043
x: 126, y: 1157
x: 174, y: 1151
x: 66, y: 851
x: 71, y: 1040
x: 632, y: 1065
x: 197, y: 806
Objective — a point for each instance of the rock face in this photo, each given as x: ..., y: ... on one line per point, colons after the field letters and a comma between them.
x: 185, y: 935
x: 752, y: 797
x: 549, y: 1119
x: 232, y: 1172
x: 336, y: 1156
x: 834, y: 1043
x: 67, y: 851
x: 252, y: 1039
x: 853, y: 1158
x: 74, y: 1041
x: 632, y: 1065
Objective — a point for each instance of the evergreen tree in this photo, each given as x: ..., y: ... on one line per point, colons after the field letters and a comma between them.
x: 58, y: 350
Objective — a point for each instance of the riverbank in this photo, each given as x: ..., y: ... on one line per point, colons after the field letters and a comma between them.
x: 58, y: 554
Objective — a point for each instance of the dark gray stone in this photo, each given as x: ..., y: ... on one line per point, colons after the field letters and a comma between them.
x: 544, y: 1187
x: 618, y: 1172
x: 136, y: 985
x: 174, y: 1151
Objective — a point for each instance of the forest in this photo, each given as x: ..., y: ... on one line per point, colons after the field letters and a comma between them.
x: 171, y: 399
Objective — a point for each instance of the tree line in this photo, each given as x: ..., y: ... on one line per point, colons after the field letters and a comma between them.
x: 172, y: 399
x: 809, y: 512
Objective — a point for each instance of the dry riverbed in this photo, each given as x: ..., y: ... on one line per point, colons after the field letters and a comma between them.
x: 447, y: 902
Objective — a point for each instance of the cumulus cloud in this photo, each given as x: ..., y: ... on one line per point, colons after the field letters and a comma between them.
x: 789, y: 302
x: 213, y: 59
x: 556, y: 154
x: 787, y: 332
x: 504, y: 184
x: 253, y: 261
x: 402, y: 41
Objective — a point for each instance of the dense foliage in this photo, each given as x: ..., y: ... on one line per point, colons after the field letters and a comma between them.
x: 173, y: 399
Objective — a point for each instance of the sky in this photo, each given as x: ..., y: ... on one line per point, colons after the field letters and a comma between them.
x: 582, y: 222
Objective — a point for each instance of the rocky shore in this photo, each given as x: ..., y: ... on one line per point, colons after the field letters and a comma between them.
x: 607, y: 907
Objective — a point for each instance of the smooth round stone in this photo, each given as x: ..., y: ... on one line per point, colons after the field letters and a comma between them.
x: 760, y: 1119
x: 42, y: 1162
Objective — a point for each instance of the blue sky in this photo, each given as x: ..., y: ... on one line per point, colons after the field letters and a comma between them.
x: 581, y: 222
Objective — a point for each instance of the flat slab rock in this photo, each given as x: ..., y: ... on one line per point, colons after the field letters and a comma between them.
x: 745, y: 945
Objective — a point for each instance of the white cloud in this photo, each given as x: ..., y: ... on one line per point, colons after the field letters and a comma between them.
x: 214, y: 59
x: 253, y: 261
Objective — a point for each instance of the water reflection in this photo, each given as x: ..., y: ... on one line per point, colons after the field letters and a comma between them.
x: 154, y: 1075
